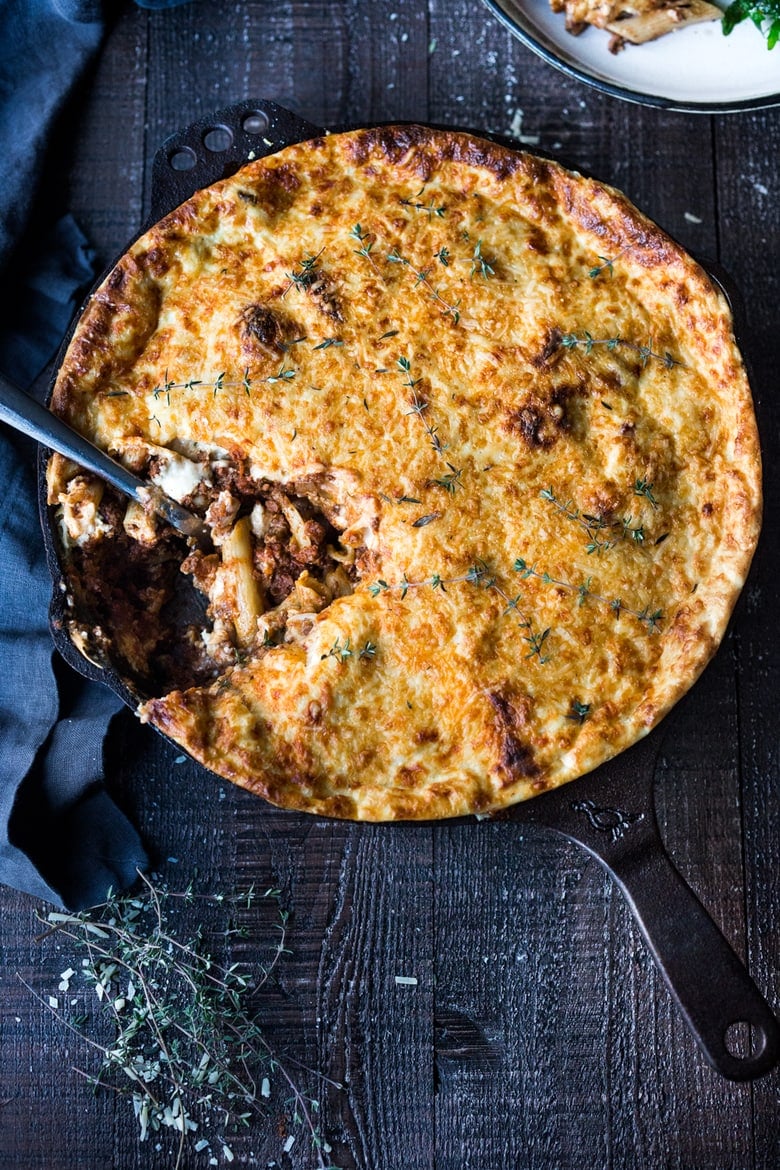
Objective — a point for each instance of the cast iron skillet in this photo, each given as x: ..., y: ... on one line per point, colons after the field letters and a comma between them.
x: 609, y: 812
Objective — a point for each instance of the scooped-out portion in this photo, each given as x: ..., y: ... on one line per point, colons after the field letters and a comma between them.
x: 166, y: 613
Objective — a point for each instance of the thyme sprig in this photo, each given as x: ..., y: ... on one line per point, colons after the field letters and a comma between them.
x: 587, y: 342
x: 578, y: 712
x: 340, y: 650
x: 624, y: 529
x: 399, y: 499
x: 364, y: 239
x: 421, y: 278
x: 431, y: 208
x: 650, y: 619
x: 608, y: 265
x: 480, y: 575
x: 643, y: 488
x: 186, y: 1049
x: 479, y: 264
x: 219, y: 382
x: 451, y: 481
x: 306, y: 274
x: 419, y: 405
x: 285, y: 374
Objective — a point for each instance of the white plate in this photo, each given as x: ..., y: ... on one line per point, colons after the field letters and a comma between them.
x: 696, y: 69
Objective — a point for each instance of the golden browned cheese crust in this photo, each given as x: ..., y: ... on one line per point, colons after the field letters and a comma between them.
x: 520, y: 404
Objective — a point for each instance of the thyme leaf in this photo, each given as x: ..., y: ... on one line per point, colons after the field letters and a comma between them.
x: 479, y: 264
x: 643, y: 488
x: 339, y: 650
x: 578, y: 712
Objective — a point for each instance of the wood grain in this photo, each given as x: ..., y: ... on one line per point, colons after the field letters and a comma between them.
x: 538, y: 1035
x: 750, y: 248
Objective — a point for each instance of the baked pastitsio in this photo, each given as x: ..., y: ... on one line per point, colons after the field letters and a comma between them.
x: 479, y: 457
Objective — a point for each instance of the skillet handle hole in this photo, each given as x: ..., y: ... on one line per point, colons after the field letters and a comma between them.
x: 744, y: 1040
x: 255, y: 123
x: 217, y: 139
x: 183, y: 159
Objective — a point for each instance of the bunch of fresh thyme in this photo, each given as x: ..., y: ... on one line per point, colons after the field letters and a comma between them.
x: 177, y: 1031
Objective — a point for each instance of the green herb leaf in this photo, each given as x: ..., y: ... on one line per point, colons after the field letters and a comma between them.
x: 643, y: 488
x: 764, y: 14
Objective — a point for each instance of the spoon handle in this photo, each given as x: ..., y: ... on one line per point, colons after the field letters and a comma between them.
x: 24, y: 414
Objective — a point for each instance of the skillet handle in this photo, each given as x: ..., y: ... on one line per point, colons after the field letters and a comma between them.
x: 216, y: 146
x: 704, y: 975
x: 613, y: 818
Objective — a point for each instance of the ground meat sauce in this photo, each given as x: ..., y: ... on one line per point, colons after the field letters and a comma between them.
x: 149, y: 599
x: 278, y: 559
x: 133, y: 592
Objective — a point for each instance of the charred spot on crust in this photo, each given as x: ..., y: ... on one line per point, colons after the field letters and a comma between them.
x: 157, y: 261
x: 325, y: 297
x: 540, y: 422
x: 511, y: 717
x: 426, y: 735
x: 603, y: 503
x: 274, y: 189
x: 536, y: 241
x: 611, y: 379
x: 551, y: 347
x: 410, y: 775
x: 314, y: 281
x: 261, y: 327
x: 432, y: 147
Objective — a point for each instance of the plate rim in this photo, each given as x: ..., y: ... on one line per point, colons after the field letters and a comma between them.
x: 656, y: 101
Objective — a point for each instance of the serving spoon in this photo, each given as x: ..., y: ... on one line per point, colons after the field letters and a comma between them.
x: 24, y: 414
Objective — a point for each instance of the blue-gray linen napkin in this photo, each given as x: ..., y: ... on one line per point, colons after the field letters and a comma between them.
x: 61, y: 836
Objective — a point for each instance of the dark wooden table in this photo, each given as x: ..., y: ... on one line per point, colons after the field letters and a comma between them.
x: 538, y: 1035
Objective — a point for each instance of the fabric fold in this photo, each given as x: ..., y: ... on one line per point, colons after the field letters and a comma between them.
x: 61, y: 835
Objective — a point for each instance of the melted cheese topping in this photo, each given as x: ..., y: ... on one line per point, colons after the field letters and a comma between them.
x: 526, y: 409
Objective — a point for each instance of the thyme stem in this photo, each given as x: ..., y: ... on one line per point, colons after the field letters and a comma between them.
x: 650, y: 619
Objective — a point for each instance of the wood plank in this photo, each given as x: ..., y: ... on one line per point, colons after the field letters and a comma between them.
x: 201, y: 59
x: 747, y: 148
x: 106, y: 176
x: 397, y: 40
